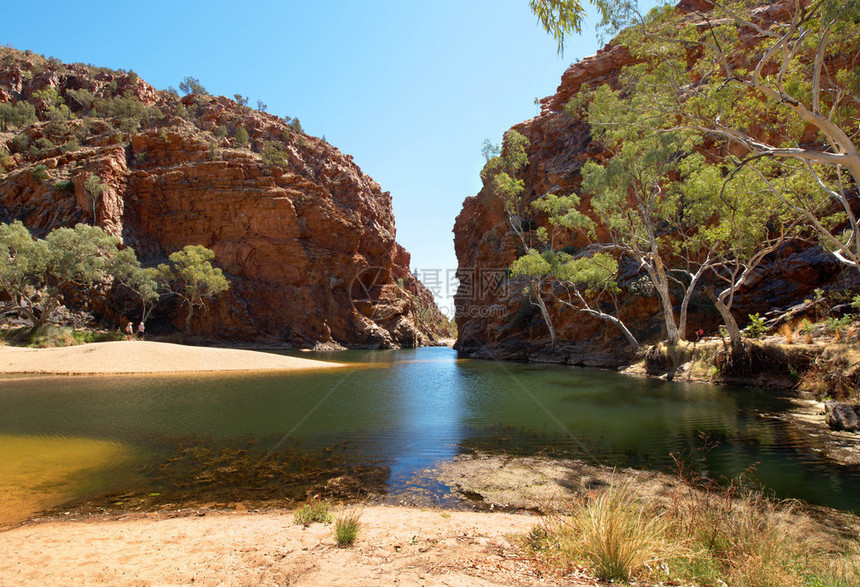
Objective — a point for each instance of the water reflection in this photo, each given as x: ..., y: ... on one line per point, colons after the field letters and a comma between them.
x: 426, y: 398
x: 415, y: 407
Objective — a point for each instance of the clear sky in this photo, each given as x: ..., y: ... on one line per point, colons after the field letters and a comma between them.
x: 410, y: 89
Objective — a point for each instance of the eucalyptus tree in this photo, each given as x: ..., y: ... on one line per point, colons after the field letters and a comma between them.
x: 191, y: 276
x: 95, y: 189
x: 583, y: 283
x: 23, y: 264
x: 36, y: 274
x: 499, y: 177
x: 560, y: 18
x: 631, y: 193
x: 81, y: 259
x: 778, y: 84
x: 141, y: 281
x: 742, y: 219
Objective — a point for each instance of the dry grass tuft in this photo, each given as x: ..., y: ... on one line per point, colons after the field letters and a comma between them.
x: 787, y: 332
x: 618, y: 536
x: 704, y: 535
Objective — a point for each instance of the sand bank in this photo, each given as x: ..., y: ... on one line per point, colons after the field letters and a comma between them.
x: 395, y: 545
x: 145, y: 357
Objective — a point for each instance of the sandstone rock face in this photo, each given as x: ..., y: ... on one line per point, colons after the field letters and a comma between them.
x: 495, y: 318
x: 294, y: 234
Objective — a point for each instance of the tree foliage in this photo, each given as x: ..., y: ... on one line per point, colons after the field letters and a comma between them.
x: 633, y: 193
x: 774, y: 93
x: 37, y: 274
x: 560, y: 18
x: 241, y: 137
x: 191, y: 276
x: 273, y: 154
x: 141, y: 281
x: 192, y: 85
x: 779, y: 85
x: 23, y: 264
x: 18, y: 115
x: 583, y: 282
x: 95, y: 188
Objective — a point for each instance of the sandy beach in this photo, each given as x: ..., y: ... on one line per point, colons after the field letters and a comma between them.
x: 395, y: 545
x: 145, y: 357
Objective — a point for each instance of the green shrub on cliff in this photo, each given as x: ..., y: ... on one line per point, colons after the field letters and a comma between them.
x: 273, y: 155
x: 18, y: 115
x: 45, y: 144
x: 39, y: 172
x: 241, y: 137
x: 81, y: 100
x: 71, y: 145
x: 241, y: 100
x: 130, y: 111
x: 20, y: 143
x: 192, y: 85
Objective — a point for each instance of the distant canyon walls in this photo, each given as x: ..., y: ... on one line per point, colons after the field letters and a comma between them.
x: 306, y: 239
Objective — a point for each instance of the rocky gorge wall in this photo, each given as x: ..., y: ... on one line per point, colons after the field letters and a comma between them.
x: 306, y: 239
x: 495, y: 318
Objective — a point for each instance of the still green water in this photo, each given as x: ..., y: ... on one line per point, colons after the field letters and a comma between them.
x: 412, y: 408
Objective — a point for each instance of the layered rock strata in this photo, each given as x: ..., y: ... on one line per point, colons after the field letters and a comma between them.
x: 306, y: 239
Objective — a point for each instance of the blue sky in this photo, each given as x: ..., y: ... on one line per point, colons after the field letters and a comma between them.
x: 410, y: 89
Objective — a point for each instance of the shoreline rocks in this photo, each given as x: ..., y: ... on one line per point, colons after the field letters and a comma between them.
x: 842, y: 416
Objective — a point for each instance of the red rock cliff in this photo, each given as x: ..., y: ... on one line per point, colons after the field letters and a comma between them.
x: 299, y: 230
x: 496, y: 320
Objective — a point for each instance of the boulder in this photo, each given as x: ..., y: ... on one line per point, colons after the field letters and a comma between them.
x: 842, y: 416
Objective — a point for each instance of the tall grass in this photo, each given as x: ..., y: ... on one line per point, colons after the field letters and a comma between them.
x: 697, y: 535
x: 346, y: 528
x: 618, y: 535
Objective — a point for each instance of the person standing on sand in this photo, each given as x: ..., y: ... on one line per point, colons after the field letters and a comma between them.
x: 140, y: 330
x: 129, y: 331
